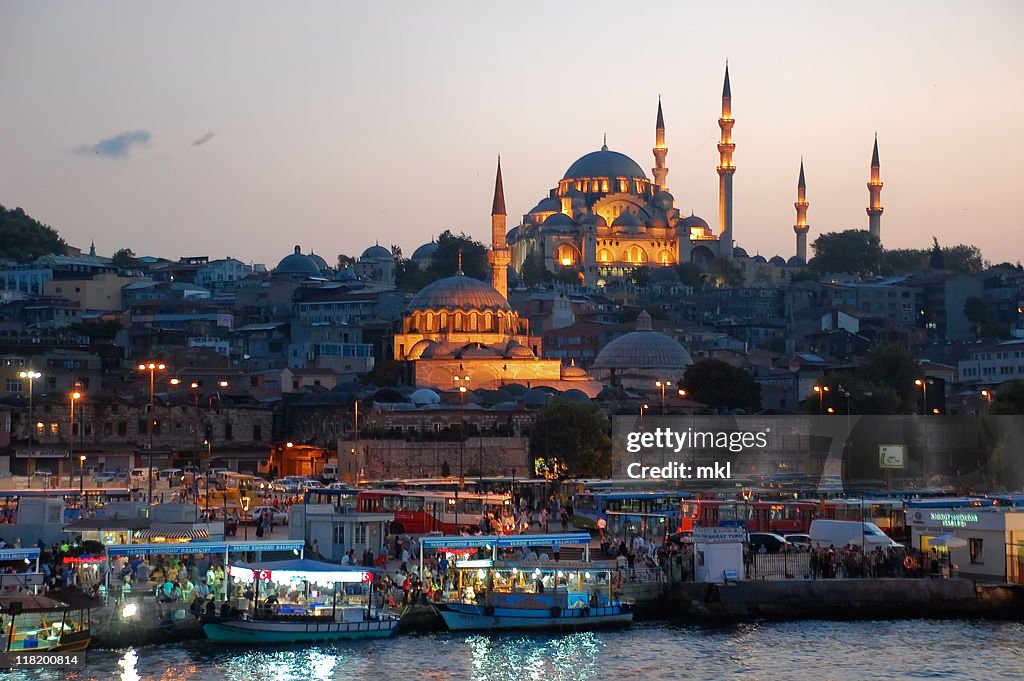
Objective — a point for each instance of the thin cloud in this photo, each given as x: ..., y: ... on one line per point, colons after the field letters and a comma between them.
x: 118, y: 146
x: 204, y: 139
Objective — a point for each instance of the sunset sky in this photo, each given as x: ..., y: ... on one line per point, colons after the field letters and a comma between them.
x: 244, y: 128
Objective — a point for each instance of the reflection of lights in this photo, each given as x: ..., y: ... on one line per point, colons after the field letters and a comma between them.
x: 127, y: 664
x: 586, y: 575
x: 129, y: 610
x: 481, y: 574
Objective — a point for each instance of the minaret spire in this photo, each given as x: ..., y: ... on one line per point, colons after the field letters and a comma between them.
x: 875, y: 196
x: 660, y: 170
x: 726, y: 169
x: 801, y: 227
x: 458, y: 268
x: 604, y: 144
x: 500, y: 256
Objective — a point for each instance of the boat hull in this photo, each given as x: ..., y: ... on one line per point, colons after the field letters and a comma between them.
x: 242, y: 632
x: 464, y: 617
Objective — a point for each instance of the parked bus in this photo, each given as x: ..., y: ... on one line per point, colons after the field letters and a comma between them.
x: 422, y: 511
x: 76, y: 502
x: 649, y: 514
x: 781, y: 517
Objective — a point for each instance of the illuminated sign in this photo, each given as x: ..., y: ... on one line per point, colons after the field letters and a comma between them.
x: 891, y: 456
x: 954, y: 519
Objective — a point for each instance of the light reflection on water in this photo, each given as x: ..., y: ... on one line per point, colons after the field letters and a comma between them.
x: 782, y: 651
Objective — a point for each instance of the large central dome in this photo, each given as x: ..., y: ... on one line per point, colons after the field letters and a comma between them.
x: 604, y: 163
x: 458, y: 293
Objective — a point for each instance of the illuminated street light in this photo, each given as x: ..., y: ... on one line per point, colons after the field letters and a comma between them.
x: 821, y: 390
x: 152, y: 368
x: 662, y: 385
x: 31, y: 376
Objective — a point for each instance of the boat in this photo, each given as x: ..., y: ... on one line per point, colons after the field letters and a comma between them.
x: 519, y: 597
x: 299, y: 601
x: 44, y: 623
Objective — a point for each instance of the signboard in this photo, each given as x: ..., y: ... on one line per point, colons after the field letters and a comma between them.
x: 719, y: 535
x: 24, y: 579
x: 891, y: 456
x: 19, y: 554
x: 41, y: 453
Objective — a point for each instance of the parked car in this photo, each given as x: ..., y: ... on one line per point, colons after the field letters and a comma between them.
x: 800, y: 541
x: 772, y: 543
x: 108, y: 476
x: 261, y: 485
x: 312, y: 484
x: 43, y: 473
x: 174, y: 475
x: 286, y: 487
x: 337, y: 485
x: 279, y: 517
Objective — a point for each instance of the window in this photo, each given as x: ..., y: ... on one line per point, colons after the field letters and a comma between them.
x: 13, y: 385
x: 228, y: 432
x: 339, y: 534
x: 359, y: 534
x: 142, y: 426
x: 122, y: 429
x: 975, y: 547
x: 257, y: 432
x: 54, y: 428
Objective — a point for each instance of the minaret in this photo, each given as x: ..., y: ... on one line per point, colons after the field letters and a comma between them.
x: 801, y: 227
x: 499, y: 256
x: 875, y: 189
x: 725, y: 171
x: 660, y: 170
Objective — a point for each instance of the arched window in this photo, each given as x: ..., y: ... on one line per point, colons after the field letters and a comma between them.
x: 604, y: 255
x: 636, y: 254
x: 444, y: 322
x: 665, y: 258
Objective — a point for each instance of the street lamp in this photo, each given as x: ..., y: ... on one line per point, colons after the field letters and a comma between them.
x: 461, y: 382
x: 81, y: 480
x: 922, y: 383
x: 821, y: 390
x: 986, y: 393
x: 31, y: 376
x: 663, y: 385
x: 152, y: 368
x: 75, y: 395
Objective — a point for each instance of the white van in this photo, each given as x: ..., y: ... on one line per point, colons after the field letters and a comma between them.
x: 138, y: 476
x: 330, y: 471
x: 840, y: 533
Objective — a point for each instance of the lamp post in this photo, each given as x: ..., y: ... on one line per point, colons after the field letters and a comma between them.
x: 31, y: 376
x: 821, y: 390
x: 75, y: 395
x: 81, y: 479
x: 461, y: 382
x: 208, y: 457
x: 152, y: 368
x: 922, y: 383
x: 194, y: 386
x: 663, y: 385
x: 986, y: 393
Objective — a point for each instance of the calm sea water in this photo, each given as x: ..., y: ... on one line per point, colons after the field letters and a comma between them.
x: 913, y: 649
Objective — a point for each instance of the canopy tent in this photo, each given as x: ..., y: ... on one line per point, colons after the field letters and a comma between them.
x: 301, y: 568
x: 949, y: 541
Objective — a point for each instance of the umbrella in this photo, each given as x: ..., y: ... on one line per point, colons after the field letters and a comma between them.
x: 950, y: 541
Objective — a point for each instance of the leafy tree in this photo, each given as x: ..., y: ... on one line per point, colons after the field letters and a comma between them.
x: 864, y: 397
x: 936, y: 259
x: 24, y: 239
x: 854, y: 251
x: 903, y: 260
x: 577, y: 434
x: 641, y: 277
x: 629, y: 314
x: 724, y: 273
x: 890, y: 365
x: 124, y: 258
x: 345, y: 261
x: 384, y: 373
x: 976, y: 311
x: 566, y: 276
x: 1009, y: 399
x: 444, y: 261
x: 690, y: 275
x: 722, y: 386
x: 533, y: 271
x: 963, y: 258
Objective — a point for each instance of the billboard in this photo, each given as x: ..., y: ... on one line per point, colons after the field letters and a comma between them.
x: 891, y: 456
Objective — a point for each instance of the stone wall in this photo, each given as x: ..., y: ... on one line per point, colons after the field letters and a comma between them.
x: 386, y: 459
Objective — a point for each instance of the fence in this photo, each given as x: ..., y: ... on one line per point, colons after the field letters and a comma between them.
x: 778, y: 566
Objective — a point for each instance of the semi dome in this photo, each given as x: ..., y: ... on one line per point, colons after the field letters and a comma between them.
x: 604, y: 163
x: 559, y: 221
x: 298, y: 264
x: 694, y: 221
x: 627, y: 222
x: 644, y: 349
x: 376, y: 252
x: 547, y: 205
x: 458, y: 293
x: 421, y: 346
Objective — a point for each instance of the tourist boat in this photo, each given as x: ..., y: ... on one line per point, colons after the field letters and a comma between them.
x: 518, y: 597
x: 297, y: 601
x: 38, y: 624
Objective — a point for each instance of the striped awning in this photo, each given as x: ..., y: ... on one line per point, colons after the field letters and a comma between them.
x: 190, y: 535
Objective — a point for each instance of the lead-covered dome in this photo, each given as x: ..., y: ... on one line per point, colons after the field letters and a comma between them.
x: 458, y: 293
x: 298, y: 264
x: 377, y: 252
x: 644, y: 349
x: 604, y: 163
x: 424, y: 252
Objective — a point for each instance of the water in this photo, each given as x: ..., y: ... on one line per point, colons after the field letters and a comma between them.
x: 839, y: 651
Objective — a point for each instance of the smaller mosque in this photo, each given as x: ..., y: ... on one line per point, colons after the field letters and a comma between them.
x: 639, y: 359
x: 460, y: 331
x: 299, y: 266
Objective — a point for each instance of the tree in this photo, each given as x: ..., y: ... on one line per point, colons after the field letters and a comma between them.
x: 1009, y: 399
x: 345, y: 261
x: 936, y: 261
x: 124, y: 258
x: 384, y: 373
x: 724, y: 273
x: 963, y: 258
x: 576, y: 434
x: 641, y: 277
x: 690, y: 275
x: 533, y: 271
x: 444, y: 261
x: 865, y: 397
x: 890, y: 365
x: 722, y: 386
x: 24, y: 239
x: 976, y: 311
x: 854, y: 251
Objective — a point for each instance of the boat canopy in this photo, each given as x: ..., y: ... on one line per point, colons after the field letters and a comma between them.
x: 31, y: 603
x: 202, y: 547
x: 512, y: 540
x: 301, y: 568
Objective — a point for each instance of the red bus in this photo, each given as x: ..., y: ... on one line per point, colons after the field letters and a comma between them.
x: 422, y: 511
x: 782, y: 517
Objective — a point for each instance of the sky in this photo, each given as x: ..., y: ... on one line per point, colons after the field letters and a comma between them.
x: 244, y: 128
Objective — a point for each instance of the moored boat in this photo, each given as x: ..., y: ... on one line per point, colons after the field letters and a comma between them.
x: 38, y: 623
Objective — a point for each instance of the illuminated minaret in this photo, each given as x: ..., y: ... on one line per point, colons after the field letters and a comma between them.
x: 500, y: 255
x: 875, y: 189
x: 660, y: 170
x: 725, y: 171
x: 801, y: 227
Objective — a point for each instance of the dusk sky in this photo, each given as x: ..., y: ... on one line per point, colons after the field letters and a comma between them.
x: 244, y: 128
